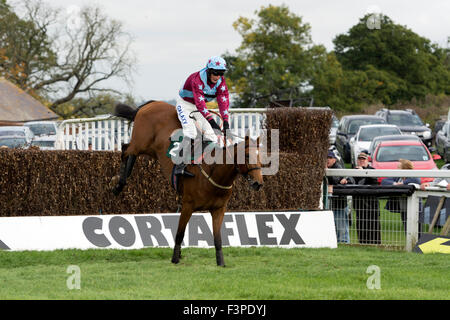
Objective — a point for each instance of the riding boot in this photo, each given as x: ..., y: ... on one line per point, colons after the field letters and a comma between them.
x: 180, y: 169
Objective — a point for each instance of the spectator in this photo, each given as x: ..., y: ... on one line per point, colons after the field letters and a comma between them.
x: 434, y: 183
x: 366, y: 207
x: 399, y: 205
x: 339, y: 204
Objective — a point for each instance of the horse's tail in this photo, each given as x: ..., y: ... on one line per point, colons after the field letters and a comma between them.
x: 125, y: 111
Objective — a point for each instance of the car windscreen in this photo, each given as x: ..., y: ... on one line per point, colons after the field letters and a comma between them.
x: 404, y: 120
x: 12, y: 133
x: 367, y: 134
x: 42, y: 129
x: 13, y: 142
x: 394, y: 153
x: 355, y: 124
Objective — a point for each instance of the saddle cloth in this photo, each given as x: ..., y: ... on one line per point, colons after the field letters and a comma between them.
x: 174, y: 151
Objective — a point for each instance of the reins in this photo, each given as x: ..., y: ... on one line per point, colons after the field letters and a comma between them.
x: 212, y: 181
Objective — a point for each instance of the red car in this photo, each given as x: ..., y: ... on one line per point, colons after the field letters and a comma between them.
x: 387, y: 154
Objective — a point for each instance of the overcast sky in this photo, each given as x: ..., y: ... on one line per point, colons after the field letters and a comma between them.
x: 173, y: 38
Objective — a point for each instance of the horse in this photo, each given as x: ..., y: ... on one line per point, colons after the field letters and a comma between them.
x: 209, y: 189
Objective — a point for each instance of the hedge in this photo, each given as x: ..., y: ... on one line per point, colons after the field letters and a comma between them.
x: 40, y: 183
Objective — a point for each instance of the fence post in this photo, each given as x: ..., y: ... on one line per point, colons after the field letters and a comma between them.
x: 412, y: 222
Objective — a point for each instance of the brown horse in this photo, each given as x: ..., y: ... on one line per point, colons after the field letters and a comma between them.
x: 211, y: 187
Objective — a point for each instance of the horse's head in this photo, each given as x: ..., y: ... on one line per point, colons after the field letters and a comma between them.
x: 250, y: 168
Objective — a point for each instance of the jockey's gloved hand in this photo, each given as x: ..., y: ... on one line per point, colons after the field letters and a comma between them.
x: 214, y: 124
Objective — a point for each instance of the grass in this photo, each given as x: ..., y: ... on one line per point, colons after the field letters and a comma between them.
x: 251, y: 273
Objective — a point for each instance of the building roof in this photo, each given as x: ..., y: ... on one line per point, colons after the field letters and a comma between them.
x: 18, y: 106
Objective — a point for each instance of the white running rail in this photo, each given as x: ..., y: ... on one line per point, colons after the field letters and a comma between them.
x: 108, y: 133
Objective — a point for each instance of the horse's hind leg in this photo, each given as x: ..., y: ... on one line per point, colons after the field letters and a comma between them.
x: 126, y: 167
x: 217, y: 217
x: 186, y: 213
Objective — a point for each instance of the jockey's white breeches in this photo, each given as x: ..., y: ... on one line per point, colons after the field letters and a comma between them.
x: 185, y: 111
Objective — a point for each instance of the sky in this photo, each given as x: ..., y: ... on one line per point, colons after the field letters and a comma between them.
x: 174, y: 38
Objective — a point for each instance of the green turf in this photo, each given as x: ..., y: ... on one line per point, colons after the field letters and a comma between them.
x: 251, y: 273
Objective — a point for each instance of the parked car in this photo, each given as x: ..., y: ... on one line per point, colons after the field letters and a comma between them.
x: 348, y: 126
x: 42, y: 128
x: 438, y: 126
x: 387, y: 154
x: 409, y: 122
x: 45, y: 142
x: 366, y: 133
x: 13, y: 142
x: 377, y: 140
x: 333, y: 129
x: 17, y: 131
x: 442, y: 142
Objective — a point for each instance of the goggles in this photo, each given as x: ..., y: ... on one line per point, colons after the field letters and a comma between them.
x: 217, y: 72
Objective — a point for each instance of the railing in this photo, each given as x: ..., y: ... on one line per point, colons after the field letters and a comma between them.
x: 101, y: 133
x: 399, y: 227
x: 108, y: 133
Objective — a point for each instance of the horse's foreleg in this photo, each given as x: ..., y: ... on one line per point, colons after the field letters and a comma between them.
x: 186, y: 213
x: 217, y: 217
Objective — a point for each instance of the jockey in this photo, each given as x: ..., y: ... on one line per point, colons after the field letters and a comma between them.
x: 201, y: 87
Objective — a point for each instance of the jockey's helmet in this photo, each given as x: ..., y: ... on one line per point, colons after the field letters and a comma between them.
x: 216, y: 63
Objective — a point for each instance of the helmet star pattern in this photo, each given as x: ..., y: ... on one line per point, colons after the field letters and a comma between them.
x: 216, y: 63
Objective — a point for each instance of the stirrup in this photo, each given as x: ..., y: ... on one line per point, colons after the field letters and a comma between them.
x: 180, y: 170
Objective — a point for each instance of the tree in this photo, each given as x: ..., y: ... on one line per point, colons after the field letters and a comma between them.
x: 275, y: 58
x: 24, y: 47
x: 61, y: 57
x: 395, y: 54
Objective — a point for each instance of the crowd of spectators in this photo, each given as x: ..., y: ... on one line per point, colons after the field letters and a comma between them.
x: 367, y: 210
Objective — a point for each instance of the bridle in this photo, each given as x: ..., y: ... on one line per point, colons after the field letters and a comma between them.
x: 236, y: 168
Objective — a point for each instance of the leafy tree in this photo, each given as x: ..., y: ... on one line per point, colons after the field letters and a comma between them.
x: 25, y: 49
x: 61, y: 56
x: 275, y: 58
x: 407, y: 64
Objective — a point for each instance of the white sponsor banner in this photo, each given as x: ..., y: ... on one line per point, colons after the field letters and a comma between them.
x: 312, y: 229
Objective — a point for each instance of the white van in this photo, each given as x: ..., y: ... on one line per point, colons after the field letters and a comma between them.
x: 42, y: 128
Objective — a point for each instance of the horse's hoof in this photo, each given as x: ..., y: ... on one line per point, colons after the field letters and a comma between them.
x: 175, y: 260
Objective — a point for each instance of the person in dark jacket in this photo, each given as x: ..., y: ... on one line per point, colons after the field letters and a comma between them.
x: 339, y: 203
x: 366, y: 207
x: 399, y: 205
